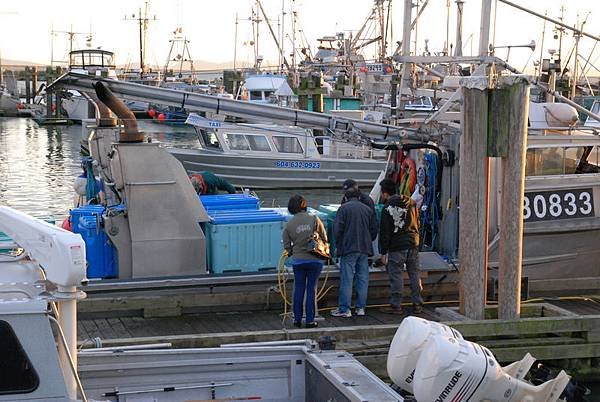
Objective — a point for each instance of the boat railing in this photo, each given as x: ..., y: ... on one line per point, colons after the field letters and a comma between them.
x: 339, y: 149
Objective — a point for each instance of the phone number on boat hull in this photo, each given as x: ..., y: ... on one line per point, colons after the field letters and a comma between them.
x: 298, y: 165
x: 559, y: 204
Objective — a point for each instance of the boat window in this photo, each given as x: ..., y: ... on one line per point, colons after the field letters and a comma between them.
x: 255, y: 95
x: 237, y: 142
x: 545, y: 161
x: 572, y: 158
x: 289, y: 145
x: 258, y: 143
x: 17, y: 375
x: 559, y: 160
x: 210, y: 139
x: 268, y: 94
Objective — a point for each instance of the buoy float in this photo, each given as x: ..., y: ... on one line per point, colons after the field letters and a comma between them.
x: 161, y: 117
x: 151, y: 112
x: 66, y: 224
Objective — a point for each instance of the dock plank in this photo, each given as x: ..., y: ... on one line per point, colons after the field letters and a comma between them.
x: 106, y: 330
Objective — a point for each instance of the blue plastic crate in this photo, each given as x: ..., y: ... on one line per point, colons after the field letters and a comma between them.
x: 248, y: 241
x: 101, y: 254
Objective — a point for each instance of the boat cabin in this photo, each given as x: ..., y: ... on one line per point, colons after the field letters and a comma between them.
x: 268, y: 88
x: 259, y: 140
x: 93, y: 61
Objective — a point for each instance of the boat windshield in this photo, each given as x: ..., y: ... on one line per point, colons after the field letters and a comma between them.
x: 562, y: 160
x: 256, y: 95
x: 210, y: 140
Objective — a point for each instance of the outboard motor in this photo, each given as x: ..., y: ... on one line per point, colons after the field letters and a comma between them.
x: 407, y: 346
x: 451, y: 369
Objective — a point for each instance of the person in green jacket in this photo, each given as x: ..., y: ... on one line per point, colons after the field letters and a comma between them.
x: 207, y: 183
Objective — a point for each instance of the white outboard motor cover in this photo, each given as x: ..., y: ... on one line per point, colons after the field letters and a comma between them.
x: 456, y: 370
x: 408, y: 344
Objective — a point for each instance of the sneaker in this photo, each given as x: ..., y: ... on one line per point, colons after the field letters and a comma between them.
x: 298, y: 324
x: 360, y: 311
x: 392, y: 310
x: 311, y: 325
x: 338, y: 313
x: 417, y: 308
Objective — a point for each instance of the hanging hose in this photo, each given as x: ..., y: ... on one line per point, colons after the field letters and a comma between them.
x: 282, y: 281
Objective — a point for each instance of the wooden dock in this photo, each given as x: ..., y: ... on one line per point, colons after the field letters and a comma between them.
x: 565, y: 332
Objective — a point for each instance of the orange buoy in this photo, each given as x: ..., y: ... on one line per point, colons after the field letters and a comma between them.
x: 151, y: 112
x: 161, y: 117
x: 66, y: 225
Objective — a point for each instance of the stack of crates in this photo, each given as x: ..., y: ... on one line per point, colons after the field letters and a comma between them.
x: 101, y: 255
x: 240, y: 237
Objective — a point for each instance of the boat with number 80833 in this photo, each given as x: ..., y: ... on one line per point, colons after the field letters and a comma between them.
x: 269, y: 156
x: 561, y: 205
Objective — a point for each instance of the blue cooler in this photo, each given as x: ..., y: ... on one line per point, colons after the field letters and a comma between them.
x: 101, y: 255
x: 244, y: 240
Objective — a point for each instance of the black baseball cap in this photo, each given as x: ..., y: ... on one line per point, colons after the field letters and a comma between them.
x: 348, y: 184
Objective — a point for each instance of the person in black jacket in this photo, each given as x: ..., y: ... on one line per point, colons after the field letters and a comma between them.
x: 355, y: 228
x: 399, y: 246
x: 364, y: 198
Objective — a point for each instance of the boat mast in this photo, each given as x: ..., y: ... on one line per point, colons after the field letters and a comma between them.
x: 459, y: 19
x: 142, y: 20
x: 262, y: 10
x: 235, y: 42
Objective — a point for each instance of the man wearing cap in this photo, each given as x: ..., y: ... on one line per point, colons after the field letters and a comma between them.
x: 365, y: 199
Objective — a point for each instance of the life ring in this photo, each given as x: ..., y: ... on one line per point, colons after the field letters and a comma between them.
x: 408, y: 176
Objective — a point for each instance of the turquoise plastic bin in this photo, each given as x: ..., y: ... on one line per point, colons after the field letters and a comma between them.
x: 244, y: 241
x: 329, y: 212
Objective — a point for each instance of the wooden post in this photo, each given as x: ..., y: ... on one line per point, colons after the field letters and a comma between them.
x: 27, y: 85
x: 473, y: 211
x: 513, y: 187
x: 34, y: 82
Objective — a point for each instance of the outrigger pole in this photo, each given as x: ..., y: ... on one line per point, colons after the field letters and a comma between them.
x: 194, y: 102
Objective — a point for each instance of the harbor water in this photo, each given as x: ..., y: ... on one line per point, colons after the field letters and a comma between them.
x: 38, y: 166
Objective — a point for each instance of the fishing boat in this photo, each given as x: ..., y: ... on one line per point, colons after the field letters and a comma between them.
x: 95, y: 62
x: 269, y: 156
x: 562, y: 189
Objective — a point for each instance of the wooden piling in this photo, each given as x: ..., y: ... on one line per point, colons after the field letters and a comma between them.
x: 473, y: 212
x: 34, y: 81
x: 27, y: 85
x: 513, y: 186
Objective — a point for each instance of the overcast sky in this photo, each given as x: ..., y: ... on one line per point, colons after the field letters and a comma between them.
x: 209, y: 25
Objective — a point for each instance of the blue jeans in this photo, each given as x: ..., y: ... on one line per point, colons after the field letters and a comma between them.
x: 306, y: 275
x: 354, y: 267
